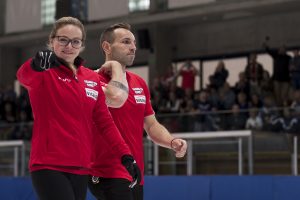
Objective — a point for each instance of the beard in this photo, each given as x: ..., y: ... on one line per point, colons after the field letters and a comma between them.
x: 126, y: 60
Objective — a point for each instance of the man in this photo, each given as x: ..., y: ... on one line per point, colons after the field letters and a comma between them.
x: 281, y: 72
x: 135, y: 115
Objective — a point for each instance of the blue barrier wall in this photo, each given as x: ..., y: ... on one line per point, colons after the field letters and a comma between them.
x: 187, y: 188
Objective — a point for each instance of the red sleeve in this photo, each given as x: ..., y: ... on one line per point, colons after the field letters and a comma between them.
x: 28, y: 77
x: 106, y: 127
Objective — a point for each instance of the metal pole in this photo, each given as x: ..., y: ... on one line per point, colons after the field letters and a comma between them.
x: 295, y: 156
x: 23, y: 159
x: 16, y: 161
x: 189, y: 159
x: 240, y: 155
x: 250, y: 155
x: 156, y: 160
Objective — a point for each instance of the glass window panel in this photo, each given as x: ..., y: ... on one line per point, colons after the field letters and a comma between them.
x: 233, y: 65
x: 138, y: 5
x: 48, y: 11
x: 266, y: 61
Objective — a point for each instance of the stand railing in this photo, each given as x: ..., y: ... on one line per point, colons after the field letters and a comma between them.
x: 191, y: 136
x: 18, y: 148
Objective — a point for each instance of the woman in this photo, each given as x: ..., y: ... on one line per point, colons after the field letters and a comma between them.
x: 68, y: 106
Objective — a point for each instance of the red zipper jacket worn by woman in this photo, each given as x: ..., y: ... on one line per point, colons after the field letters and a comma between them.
x: 65, y: 109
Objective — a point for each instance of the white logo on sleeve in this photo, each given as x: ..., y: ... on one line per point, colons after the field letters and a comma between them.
x: 91, y: 93
x: 140, y: 99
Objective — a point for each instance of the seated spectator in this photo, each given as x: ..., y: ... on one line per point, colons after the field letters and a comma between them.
x: 242, y: 101
x: 226, y: 97
x: 255, y: 101
x: 242, y: 85
x: 179, y: 92
x: 294, y: 68
x: 203, y: 110
x: 254, y: 122
x: 295, y: 105
x: 269, y: 114
x: 290, y: 123
x: 23, y: 129
x: 235, y: 119
x: 157, y: 88
x: 172, y: 103
x: 158, y: 103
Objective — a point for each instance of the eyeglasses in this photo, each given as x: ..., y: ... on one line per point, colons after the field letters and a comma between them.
x: 64, y: 41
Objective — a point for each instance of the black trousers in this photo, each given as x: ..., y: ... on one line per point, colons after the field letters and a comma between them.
x: 56, y: 185
x: 115, y: 189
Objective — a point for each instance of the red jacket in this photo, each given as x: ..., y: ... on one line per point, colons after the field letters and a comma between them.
x: 130, y: 121
x: 65, y: 109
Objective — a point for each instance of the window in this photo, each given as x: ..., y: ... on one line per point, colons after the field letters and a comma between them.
x: 139, y: 5
x: 233, y: 65
x: 48, y: 11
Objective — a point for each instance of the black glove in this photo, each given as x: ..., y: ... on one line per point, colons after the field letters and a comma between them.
x: 130, y: 164
x: 44, y: 60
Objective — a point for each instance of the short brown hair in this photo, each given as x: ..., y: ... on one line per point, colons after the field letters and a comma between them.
x: 107, y: 34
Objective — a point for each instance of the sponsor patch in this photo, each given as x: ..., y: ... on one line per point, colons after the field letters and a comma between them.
x: 91, y: 93
x: 138, y: 90
x: 90, y: 83
x: 140, y: 99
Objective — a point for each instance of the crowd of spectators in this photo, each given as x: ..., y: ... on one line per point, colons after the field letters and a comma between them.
x: 15, y: 114
x: 256, y: 101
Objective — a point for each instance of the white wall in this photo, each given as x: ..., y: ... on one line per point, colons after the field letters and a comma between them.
x: 22, y: 15
x: 104, y: 9
x: 184, y: 3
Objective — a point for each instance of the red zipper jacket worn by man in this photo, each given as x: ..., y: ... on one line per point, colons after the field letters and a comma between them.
x: 66, y: 106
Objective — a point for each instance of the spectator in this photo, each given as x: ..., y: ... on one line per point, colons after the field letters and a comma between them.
x: 227, y: 97
x: 255, y: 101
x: 266, y: 86
x: 188, y: 72
x: 242, y: 85
x: 219, y: 77
x: 281, y: 73
x: 254, y: 122
x: 254, y: 73
x: 295, y: 70
x: 235, y: 120
x: 295, y: 105
x: 203, y: 110
x: 173, y: 103
x: 268, y: 113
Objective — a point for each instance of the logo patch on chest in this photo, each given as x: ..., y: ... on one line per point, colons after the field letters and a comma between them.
x: 140, y: 99
x: 90, y: 83
x: 138, y: 90
x: 91, y: 93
